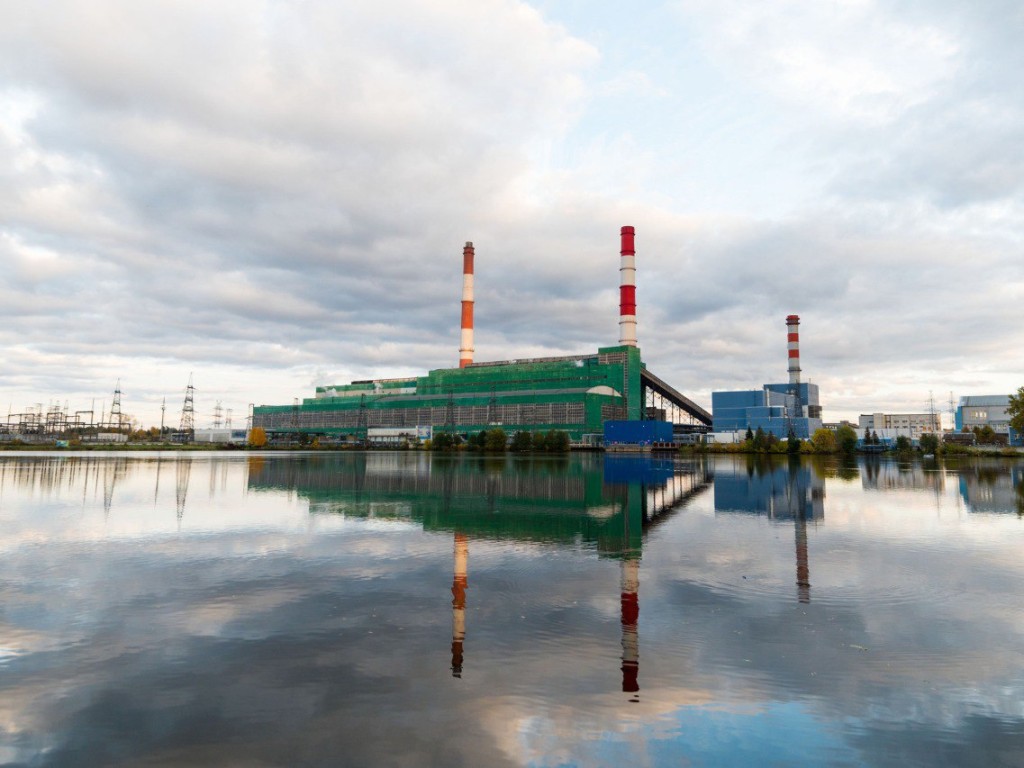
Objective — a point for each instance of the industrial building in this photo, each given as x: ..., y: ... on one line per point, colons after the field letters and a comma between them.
x: 776, y: 409
x: 987, y: 410
x: 889, y: 426
x: 576, y: 394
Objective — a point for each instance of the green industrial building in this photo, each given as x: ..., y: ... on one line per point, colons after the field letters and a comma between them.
x: 576, y: 394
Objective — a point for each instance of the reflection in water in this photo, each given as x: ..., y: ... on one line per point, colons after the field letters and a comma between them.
x: 605, y: 501
x: 993, y: 487
x: 290, y: 612
x: 183, y: 470
x: 782, y: 489
x: 459, y: 585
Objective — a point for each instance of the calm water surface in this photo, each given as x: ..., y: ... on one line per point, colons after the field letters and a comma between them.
x: 392, y: 609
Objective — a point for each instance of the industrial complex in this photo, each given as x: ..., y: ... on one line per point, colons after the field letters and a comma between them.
x: 578, y: 394
x: 776, y: 409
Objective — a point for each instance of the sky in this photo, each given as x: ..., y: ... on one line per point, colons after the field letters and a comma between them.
x: 272, y: 196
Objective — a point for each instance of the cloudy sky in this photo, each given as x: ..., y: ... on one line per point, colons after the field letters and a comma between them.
x: 274, y: 195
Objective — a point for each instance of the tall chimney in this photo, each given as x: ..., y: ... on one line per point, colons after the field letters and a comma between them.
x: 466, y: 349
x: 793, y: 337
x: 627, y: 290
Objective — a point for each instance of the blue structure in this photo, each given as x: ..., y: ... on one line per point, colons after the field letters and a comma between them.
x: 771, y: 408
x: 637, y: 432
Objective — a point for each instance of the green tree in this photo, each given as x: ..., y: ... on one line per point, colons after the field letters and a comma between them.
x: 750, y: 434
x: 823, y: 440
x: 929, y: 444
x: 792, y: 442
x: 985, y: 434
x: 522, y: 441
x: 540, y: 442
x: 846, y: 439
x: 557, y: 441
x: 874, y: 438
x: 867, y: 436
x: 903, y: 444
x: 759, y: 441
x: 1015, y: 410
x: 443, y: 441
x: 495, y: 440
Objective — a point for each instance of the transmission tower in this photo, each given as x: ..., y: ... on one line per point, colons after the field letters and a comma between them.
x: 163, y: 411
x: 227, y: 419
x: 492, y: 408
x: 218, y: 415
x: 449, y: 416
x: 952, y: 413
x: 188, y: 412
x: 362, y: 426
x: 116, y: 419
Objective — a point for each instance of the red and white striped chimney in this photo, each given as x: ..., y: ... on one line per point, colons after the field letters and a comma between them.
x: 793, y: 337
x: 627, y: 290
x: 466, y: 348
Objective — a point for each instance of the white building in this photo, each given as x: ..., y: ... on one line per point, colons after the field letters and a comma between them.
x: 893, y: 425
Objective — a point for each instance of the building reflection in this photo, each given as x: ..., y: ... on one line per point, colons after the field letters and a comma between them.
x: 604, y: 502
x: 992, y: 487
x: 878, y: 474
x: 779, y: 488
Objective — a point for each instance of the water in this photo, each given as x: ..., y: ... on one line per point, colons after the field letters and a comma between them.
x: 399, y: 609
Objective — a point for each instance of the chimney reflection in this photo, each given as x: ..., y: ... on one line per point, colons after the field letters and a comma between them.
x: 780, y: 491
x: 459, y: 584
x: 630, y: 619
x: 803, y: 569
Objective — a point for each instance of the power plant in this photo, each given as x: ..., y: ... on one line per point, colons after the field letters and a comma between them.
x: 577, y: 394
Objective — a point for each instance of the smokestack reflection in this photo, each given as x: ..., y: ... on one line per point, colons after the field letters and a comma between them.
x: 459, y: 585
x: 630, y: 619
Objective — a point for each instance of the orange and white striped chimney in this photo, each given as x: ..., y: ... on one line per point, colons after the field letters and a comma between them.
x: 793, y: 338
x: 466, y: 348
x: 627, y: 289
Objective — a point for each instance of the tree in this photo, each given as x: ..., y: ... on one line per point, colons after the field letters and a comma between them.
x: 867, y: 436
x: 1015, y: 410
x: 929, y: 444
x: 522, y: 442
x: 750, y: 434
x: 557, y: 441
x: 792, y: 442
x: 903, y: 444
x: 257, y: 437
x: 495, y: 440
x: 823, y: 440
x: 759, y: 440
x: 874, y: 438
x: 443, y: 441
x: 985, y: 434
x: 846, y: 439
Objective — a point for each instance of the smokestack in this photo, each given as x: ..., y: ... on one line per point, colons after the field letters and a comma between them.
x: 793, y: 336
x: 466, y: 349
x: 627, y: 290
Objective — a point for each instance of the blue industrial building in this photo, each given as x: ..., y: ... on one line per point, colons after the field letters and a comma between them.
x: 773, y: 408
